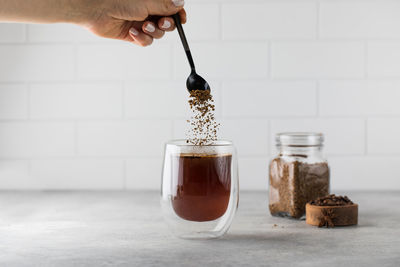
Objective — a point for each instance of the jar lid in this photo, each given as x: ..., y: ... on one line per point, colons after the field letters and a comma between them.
x: 299, y: 139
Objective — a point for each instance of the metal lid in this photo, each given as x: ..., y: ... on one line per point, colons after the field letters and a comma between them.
x: 299, y: 139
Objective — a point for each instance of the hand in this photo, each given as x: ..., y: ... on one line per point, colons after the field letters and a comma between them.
x: 136, y: 21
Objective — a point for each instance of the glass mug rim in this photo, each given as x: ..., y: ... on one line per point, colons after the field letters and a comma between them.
x: 183, y: 143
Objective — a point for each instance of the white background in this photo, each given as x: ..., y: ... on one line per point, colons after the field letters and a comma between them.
x: 79, y: 112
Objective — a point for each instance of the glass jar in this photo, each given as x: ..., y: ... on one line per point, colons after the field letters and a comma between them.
x: 298, y: 174
x: 199, y: 194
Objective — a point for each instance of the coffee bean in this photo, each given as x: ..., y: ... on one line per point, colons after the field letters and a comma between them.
x: 332, y: 200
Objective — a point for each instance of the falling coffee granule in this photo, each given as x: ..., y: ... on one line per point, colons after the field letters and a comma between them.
x: 203, y: 127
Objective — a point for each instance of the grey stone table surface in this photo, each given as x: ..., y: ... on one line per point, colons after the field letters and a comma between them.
x: 126, y: 229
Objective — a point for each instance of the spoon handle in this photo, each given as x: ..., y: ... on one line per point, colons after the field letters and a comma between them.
x: 185, y: 44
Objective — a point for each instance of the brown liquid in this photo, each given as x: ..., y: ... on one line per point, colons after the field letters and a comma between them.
x: 203, y: 186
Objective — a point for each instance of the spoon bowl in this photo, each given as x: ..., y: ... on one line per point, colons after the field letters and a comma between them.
x: 196, y: 82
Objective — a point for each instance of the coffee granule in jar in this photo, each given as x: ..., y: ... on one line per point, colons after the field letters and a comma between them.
x: 203, y: 126
x: 294, y: 183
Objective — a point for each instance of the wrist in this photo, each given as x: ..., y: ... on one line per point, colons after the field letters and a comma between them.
x: 82, y: 12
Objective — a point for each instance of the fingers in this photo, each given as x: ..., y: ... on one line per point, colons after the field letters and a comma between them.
x: 164, y: 7
x: 144, y: 33
x: 166, y: 24
x: 139, y: 37
x: 151, y: 29
x: 182, y: 14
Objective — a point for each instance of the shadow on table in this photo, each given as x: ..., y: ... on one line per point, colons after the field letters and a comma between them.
x: 282, y: 236
x: 270, y: 236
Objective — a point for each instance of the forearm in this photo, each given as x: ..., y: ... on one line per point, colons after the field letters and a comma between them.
x: 43, y: 11
x: 135, y: 21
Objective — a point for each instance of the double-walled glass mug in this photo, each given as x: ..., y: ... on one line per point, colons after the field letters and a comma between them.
x: 200, y: 188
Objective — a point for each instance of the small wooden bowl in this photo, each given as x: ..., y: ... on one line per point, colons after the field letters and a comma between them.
x: 339, y: 215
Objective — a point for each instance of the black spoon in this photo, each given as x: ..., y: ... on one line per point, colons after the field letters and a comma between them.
x: 194, y: 81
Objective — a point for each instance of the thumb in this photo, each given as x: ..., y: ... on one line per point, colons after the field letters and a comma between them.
x: 164, y: 7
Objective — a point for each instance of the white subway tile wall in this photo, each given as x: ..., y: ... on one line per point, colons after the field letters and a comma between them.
x: 13, y: 101
x: 71, y: 101
x: 29, y: 139
x: 269, y: 20
x: 317, y: 59
x: 12, y: 33
x: 79, y: 174
x: 143, y: 173
x: 268, y: 99
x: 81, y: 112
x: 225, y: 60
x: 34, y: 62
x: 359, y: 19
x: 138, y: 138
x: 383, y: 59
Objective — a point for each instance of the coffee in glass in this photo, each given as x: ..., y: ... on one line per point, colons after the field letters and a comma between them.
x: 200, y: 188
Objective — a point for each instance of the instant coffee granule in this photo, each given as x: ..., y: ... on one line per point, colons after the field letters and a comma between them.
x: 203, y: 127
x: 294, y: 183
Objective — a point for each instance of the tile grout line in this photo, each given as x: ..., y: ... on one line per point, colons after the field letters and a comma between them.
x: 220, y: 101
x: 259, y: 79
x: 30, y: 163
x: 26, y: 34
x: 220, y: 13
x: 317, y: 20
x: 76, y: 143
x: 317, y: 91
x: 28, y: 92
x: 75, y: 54
x: 269, y: 63
x: 366, y: 48
x: 365, y: 78
x: 173, y: 61
x: 172, y: 131
x: 151, y: 119
x: 124, y: 175
x: 366, y: 137
x: 270, y: 144
x: 122, y: 158
x: 123, y: 97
